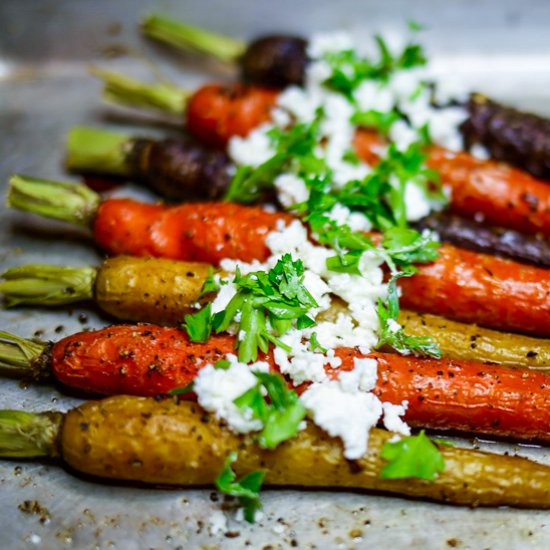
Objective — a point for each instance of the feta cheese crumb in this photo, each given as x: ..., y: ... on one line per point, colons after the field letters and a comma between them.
x: 216, y: 390
x: 218, y: 522
x: 253, y: 149
x: 291, y: 190
x: 345, y: 414
x: 392, y: 418
x: 480, y: 152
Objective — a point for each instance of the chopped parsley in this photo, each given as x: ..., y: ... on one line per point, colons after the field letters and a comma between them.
x: 247, y: 489
x: 198, y: 325
x: 392, y: 334
x: 266, y: 306
x: 349, y: 69
x: 413, y: 456
x: 210, y: 283
x: 277, y: 406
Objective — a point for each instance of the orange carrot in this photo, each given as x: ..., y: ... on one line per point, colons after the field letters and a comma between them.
x: 503, y: 195
x: 205, y: 232
x: 455, y: 395
x: 215, y: 112
x: 483, y: 289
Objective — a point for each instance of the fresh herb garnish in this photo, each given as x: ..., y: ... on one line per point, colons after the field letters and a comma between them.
x: 392, y: 334
x: 182, y: 391
x: 247, y: 489
x: 210, y: 283
x: 314, y: 343
x: 412, y: 456
x: 379, y: 120
x: 291, y: 147
x: 269, y: 304
x: 277, y: 406
x: 198, y: 325
x: 223, y: 364
x: 349, y: 69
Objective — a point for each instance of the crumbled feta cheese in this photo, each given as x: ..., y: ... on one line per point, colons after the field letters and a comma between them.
x: 392, y: 420
x: 332, y: 407
x: 216, y: 390
x: 253, y: 149
x: 224, y: 296
x: 402, y: 135
x: 218, y: 522
x: 368, y: 372
x: 372, y: 95
x: 480, y: 152
x: 291, y: 190
x: 416, y: 203
x: 344, y: 216
x: 393, y: 325
x: 298, y: 103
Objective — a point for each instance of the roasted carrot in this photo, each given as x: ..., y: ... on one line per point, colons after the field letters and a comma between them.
x: 479, y: 288
x: 206, y: 232
x: 177, y: 443
x: 442, y: 393
x: 161, y: 291
x: 216, y: 112
x: 502, y: 195
x: 490, y: 291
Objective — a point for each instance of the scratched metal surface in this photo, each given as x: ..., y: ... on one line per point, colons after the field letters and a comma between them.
x: 498, y: 47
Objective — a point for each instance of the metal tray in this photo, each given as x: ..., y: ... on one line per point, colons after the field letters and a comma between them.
x: 499, y: 47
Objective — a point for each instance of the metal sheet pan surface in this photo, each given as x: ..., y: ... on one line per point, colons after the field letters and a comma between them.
x: 499, y: 47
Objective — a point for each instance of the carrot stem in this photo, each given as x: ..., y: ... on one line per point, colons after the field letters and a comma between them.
x: 70, y: 202
x: 20, y: 354
x: 28, y: 435
x: 93, y: 150
x: 188, y: 37
x: 47, y: 285
x: 127, y: 91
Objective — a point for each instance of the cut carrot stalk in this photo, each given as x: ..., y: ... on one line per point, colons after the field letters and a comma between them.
x: 149, y: 360
x: 123, y: 90
x: 185, y: 36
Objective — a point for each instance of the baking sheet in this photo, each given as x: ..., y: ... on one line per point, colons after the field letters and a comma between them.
x: 497, y: 47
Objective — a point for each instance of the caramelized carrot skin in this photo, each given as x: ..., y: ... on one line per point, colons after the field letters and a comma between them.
x: 505, y: 196
x: 467, y: 396
x: 206, y: 232
x: 133, y: 359
x: 148, y: 360
x: 483, y: 289
x: 215, y: 113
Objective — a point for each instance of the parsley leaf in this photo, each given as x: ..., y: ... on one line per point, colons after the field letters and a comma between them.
x: 247, y: 489
x: 392, y: 334
x: 268, y: 303
x: 349, y: 70
x: 199, y: 325
x: 210, y: 284
x: 182, y: 391
x: 379, y: 120
x: 413, y: 456
x: 314, y: 343
x: 281, y: 417
x: 292, y: 146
